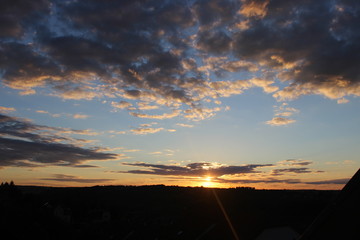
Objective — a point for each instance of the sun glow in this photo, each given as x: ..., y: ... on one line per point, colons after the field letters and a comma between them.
x: 208, y: 182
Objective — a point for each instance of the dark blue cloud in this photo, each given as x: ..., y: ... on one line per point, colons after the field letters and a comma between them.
x: 24, y: 144
x: 193, y: 169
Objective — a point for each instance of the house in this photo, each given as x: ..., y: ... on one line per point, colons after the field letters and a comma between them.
x: 340, y: 220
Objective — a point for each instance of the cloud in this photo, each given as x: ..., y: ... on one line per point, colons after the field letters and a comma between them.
x: 314, y: 70
x: 193, y: 169
x: 121, y: 104
x: 296, y: 162
x: 25, y: 144
x: 71, y: 178
x: 16, y: 16
x: 198, y: 114
x: 6, y: 109
x: 341, y: 181
x: 251, y: 8
x: 220, y: 173
x: 27, y: 92
x: 291, y: 170
x: 280, y: 121
x: 56, y: 115
x: 162, y: 116
x: 145, y: 130
x: 42, y: 111
x: 343, y: 100
x: 177, y: 55
x: 80, y: 116
x: 283, y: 181
x: 185, y: 125
x: 146, y: 106
x: 87, y: 132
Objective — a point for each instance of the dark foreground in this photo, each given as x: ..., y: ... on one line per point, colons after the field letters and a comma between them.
x: 153, y: 212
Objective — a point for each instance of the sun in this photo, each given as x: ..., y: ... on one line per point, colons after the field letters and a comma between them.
x: 208, y: 182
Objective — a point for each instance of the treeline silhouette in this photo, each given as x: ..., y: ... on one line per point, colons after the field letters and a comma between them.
x: 152, y: 212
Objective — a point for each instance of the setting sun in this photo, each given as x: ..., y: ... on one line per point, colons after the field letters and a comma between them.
x: 208, y: 182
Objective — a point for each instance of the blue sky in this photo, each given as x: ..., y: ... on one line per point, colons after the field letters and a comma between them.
x: 195, y: 93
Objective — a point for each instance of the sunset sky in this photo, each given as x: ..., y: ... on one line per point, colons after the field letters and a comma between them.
x: 215, y: 93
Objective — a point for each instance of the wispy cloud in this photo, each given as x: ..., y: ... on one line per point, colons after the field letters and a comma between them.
x: 283, y: 171
x: 162, y: 116
x: 71, y: 178
x: 341, y: 181
x: 295, y: 162
x: 80, y: 116
x: 56, y: 115
x: 25, y: 144
x: 280, y: 121
x: 185, y: 125
x: 145, y: 130
x: 6, y: 109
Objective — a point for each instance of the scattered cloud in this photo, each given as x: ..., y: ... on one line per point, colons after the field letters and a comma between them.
x: 280, y: 121
x: 167, y: 54
x: 284, y: 110
x: 6, y: 109
x: 131, y: 150
x: 291, y: 170
x: 145, y: 130
x: 121, y: 104
x: 146, y: 106
x: 80, y: 116
x: 184, y: 125
x: 56, y: 115
x: 343, y: 101
x: 162, y: 116
x: 295, y: 162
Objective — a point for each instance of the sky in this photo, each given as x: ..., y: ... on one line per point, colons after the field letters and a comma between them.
x: 213, y: 93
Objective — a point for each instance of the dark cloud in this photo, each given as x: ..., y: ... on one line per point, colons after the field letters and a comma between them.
x: 215, y: 12
x: 24, y: 144
x: 217, y: 42
x: 291, y: 170
x: 193, y: 169
x: 16, y: 15
x: 296, y: 162
x: 70, y: 178
x: 282, y: 181
x: 315, y: 37
x: 264, y: 180
x: 332, y: 181
x: 156, y: 48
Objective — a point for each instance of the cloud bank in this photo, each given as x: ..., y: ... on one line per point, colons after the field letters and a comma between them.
x: 243, y: 174
x: 193, y: 169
